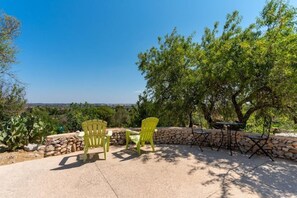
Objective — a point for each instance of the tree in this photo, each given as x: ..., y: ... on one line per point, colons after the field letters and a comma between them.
x: 11, y: 91
x: 168, y: 70
x: 143, y: 108
x: 230, y: 75
x: 262, y: 62
x: 121, y: 117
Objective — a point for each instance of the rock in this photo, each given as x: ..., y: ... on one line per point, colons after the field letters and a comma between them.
x: 57, y: 148
x: 50, y: 148
x: 50, y: 153
x: 64, y: 146
x: 289, y: 155
x: 56, y: 142
x: 73, y: 149
x: 274, y: 142
x: 285, y: 149
x: 293, y: 151
x: 57, y: 145
x: 41, y: 148
x: 41, y: 151
x: 31, y: 147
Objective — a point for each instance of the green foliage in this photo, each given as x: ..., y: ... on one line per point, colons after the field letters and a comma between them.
x: 168, y: 70
x: 120, y: 118
x: 230, y: 74
x: 77, y: 113
x: 13, y: 133
x: 21, y: 130
x: 9, y: 29
x: 12, y: 100
x: 11, y: 91
x: 141, y: 110
x: 37, y: 129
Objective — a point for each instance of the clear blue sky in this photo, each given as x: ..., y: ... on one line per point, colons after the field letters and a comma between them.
x: 86, y: 50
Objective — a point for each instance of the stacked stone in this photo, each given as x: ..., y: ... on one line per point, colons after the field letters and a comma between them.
x: 281, y: 147
x: 284, y: 147
x: 118, y: 136
x: 62, y: 144
x: 173, y: 135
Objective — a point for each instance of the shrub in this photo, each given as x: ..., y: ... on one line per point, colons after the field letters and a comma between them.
x: 21, y: 130
x: 13, y: 133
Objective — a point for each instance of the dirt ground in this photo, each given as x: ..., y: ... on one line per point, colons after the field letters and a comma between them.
x: 18, y: 156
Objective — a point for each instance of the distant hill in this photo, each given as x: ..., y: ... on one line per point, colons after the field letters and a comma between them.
x: 68, y: 104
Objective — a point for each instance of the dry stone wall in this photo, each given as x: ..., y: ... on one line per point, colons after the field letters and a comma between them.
x: 62, y: 144
x: 281, y: 147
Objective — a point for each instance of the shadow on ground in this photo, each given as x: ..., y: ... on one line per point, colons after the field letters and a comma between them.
x: 77, y: 161
x: 258, y: 175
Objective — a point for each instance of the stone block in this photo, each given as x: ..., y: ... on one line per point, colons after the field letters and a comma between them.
x: 50, y: 153
x: 50, y: 148
x: 57, y: 145
x: 57, y: 148
x: 294, y: 151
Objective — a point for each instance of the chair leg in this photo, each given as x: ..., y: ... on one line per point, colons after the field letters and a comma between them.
x: 222, y: 140
x: 260, y: 147
x: 236, y: 143
x: 250, y: 149
x: 138, y: 147
x: 85, y: 153
x: 264, y: 151
x: 201, y: 142
x: 253, y: 153
x: 152, y: 145
x: 206, y: 137
x: 108, y: 142
x: 193, y: 140
x: 104, y: 148
x: 127, y: 141
x: 210, y: 141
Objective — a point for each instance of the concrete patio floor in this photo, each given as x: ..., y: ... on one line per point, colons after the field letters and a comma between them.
x: 172, y: 171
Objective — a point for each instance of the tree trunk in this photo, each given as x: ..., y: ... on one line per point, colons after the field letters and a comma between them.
x: 191, y: 119
x: 207, y: 113
x: 237, y: 108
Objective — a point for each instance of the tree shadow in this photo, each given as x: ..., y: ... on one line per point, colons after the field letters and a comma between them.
x: 131, y: 154
x: 78, y: 161
x: 258, y: 175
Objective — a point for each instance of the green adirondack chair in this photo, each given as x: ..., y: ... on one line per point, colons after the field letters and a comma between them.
x: 148, y: 127
x: 95, y: 136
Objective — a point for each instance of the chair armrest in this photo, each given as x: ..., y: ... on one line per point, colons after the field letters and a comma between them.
x: 109, y: 133
x: 130, y: 132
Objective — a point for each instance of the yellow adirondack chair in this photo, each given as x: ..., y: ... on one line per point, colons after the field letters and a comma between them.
x: 95, y: 136
x: 148, y: 127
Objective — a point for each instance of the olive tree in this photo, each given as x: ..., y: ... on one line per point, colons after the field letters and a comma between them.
x: 11, y: 90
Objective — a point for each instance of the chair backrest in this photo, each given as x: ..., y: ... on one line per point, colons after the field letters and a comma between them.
x: 266, y: 126
x: 148, y: 127
x: 217, y: 126
x: 94, y: 130
x: 199, y: 128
